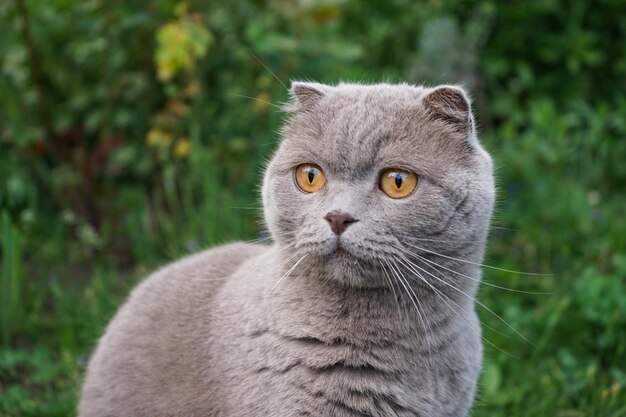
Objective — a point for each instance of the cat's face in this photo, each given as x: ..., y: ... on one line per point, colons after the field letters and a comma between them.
x: 368, y: 175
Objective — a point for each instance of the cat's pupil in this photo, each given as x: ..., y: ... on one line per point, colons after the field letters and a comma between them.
x: 311, y: 175
x: 398, y: 180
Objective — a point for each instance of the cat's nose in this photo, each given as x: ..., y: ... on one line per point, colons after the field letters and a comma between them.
x: 339, y: 221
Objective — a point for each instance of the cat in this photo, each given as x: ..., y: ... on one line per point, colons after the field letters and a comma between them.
x: 378, y: 201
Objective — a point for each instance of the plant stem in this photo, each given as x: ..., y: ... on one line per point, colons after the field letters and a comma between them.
x: 36, y: 72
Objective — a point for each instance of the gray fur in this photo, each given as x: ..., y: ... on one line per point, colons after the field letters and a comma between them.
x: 383, y: 326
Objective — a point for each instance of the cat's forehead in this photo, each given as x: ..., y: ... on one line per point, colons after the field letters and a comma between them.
x: 357, y: 128
x: 353, y: 99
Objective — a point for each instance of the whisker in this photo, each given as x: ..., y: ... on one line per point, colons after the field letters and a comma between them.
x: 405, y: 285
x: 245, y: 208
x: 446, y: 299
x: 270, y: 237
x: 427, y: 329
x: 444, y: 240
x: 258, y: 99
x: 473, y: 299
x: 271, y: 72
x: 478, y: 280
x: 259, y: 240
x: 277, y: 268
x: 478, y: 264
x: 502, y: 228
x: 288, y: 272
x: 498, y: 347
x: 393, y: 287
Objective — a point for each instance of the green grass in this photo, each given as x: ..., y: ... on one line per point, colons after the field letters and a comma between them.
x: 10, y: 276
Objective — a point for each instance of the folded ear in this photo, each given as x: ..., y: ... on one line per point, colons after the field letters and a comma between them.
x: 305, y: 95
x: 451, y: 105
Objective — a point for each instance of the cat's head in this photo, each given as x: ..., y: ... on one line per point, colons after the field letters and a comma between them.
x: 368, y: 174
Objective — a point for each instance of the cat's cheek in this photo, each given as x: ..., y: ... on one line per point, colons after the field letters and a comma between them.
x: 277, y: 213
x: 265, y: 190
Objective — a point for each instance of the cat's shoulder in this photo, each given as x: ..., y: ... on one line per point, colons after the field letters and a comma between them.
x: 160, y: 326
x: 220, y: 260
x: 199, y: 274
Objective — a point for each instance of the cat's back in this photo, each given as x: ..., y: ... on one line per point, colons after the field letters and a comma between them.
x: 149, y: 359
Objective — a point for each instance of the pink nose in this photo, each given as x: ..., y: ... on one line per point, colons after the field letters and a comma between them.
x: 339, y: 221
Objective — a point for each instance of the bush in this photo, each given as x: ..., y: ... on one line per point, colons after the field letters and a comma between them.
x: 131, y: 133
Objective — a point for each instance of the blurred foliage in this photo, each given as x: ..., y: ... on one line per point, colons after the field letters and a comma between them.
x: 132, y: 132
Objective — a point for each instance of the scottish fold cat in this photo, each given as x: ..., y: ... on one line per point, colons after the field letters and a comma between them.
x: 378, y: 201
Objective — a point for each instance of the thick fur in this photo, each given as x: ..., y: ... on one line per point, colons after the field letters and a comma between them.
x: 377, y: 322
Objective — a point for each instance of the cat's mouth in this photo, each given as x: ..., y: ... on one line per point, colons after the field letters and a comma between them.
x: 346, y: 262
x: 338, y: 249
x: 342, y: 251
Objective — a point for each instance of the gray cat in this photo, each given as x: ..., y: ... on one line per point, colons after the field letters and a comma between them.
x: 378, y: 200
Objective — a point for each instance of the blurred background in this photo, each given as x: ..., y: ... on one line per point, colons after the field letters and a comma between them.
x: 133, y: 132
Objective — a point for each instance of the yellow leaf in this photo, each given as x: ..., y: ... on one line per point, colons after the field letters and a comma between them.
x: 158, y: 137
x: 182, y: 148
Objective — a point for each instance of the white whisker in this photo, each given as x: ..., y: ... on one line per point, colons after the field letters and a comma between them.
x: 427, y: 329
x: 478, y: 280
x: 270, y: 237
x: 288, y: 272
x: 258, y: 99
x: 473, y: 299
x: 477, y: 264
x: 393, y: 288
x: 271, y: 72
x: 446, y: 299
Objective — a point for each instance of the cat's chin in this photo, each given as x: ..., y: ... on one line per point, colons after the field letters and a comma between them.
x: 342, y: 261
x: 345, y: 267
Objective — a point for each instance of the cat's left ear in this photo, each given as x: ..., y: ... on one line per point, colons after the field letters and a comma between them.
x: 451, y: 105
x: 305, y: 95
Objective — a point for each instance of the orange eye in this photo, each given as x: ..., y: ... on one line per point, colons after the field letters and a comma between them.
x: 398, y: 183
x: 310, y: 178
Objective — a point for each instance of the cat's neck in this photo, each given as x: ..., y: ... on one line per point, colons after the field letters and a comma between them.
x: 309, y: 305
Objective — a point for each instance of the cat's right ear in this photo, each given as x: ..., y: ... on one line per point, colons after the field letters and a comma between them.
x: 304, y: 96
x: 451, y: 105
